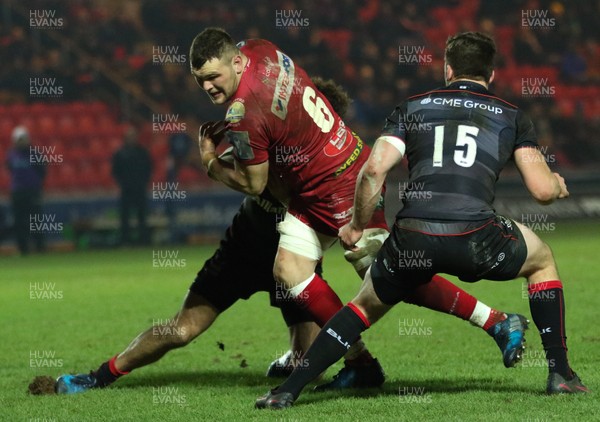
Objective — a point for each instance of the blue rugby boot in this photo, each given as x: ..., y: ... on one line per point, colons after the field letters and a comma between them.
x: 510, y: 337
x: 72, y: 384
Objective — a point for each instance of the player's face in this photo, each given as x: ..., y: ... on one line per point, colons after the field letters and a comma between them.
x: 217, y: 78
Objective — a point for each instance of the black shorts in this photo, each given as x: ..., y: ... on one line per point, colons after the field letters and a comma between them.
x: 418, y: 249
x: 243, y: 265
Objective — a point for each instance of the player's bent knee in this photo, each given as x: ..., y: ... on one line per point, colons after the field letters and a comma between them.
x: 368, y: 301
x: 540, y: 267
x: 544, y: 258
x: 547, y: 255
x: 292, y: 268
x: 373, y: 311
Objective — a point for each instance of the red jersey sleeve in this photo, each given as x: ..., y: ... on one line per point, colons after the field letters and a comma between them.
x: 248, y: 131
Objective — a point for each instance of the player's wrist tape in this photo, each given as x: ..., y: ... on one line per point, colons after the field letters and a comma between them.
x: 210, y: 162
x: 209, y: 167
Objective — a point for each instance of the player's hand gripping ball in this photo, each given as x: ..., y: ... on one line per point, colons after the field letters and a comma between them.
x: 210, y: 135
x: 214, y: 131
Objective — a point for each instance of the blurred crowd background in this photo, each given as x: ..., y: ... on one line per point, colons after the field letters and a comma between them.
x: 108, y: 59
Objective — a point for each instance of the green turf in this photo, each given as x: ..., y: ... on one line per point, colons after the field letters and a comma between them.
x: 451, y: 370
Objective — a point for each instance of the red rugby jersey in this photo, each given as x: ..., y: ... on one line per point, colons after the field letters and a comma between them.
x: 277, y: 114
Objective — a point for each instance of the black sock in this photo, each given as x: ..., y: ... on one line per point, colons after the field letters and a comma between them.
x: 331, y: 344
x: 547, y: 306
x: 105, y: 375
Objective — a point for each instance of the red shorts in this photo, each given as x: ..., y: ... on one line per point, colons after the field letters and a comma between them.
x: 328, y: 214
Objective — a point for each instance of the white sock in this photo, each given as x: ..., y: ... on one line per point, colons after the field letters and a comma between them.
x: 480, y: 314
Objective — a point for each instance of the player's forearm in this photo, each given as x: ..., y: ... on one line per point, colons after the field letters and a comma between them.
x: 543, y: 185
x: 232, y: 177
x: 368, y: 192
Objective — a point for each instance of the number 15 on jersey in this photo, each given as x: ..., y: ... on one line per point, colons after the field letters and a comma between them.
x: 465, y: 137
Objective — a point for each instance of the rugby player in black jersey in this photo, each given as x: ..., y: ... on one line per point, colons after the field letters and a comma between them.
x: 466, y: 136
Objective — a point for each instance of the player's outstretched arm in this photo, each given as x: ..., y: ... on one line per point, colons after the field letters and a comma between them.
x: 543, y: 185
x: 386, y: 153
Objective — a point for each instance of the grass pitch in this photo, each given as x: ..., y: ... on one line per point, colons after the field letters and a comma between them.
x: 66, y: 313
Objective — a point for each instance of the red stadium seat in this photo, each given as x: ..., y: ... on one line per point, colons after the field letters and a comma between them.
x: 566, y: 107
x: 52, y: 181
x: 67, y: 127
x: 338, y: 41
x: 16, y: 111
x: 90, y: 175
x: 504, y: 36
x: 106, y: 125
x: 97, y: 150
x: 86, y: 125
x: 67, y: 176
x: 97, y: 107
x: 6, y: 126
x: 47, y: 125
x: 104, y: 175
x: 113, y: 143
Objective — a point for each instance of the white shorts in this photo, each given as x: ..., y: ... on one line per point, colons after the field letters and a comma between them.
x: 301, y: 239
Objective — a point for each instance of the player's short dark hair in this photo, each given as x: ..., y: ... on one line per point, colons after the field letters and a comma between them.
x: 210, y: 44
x: 335, y: 94
x: 471, y: 55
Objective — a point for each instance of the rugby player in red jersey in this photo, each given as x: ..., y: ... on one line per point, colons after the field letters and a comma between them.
x: 285, y: 133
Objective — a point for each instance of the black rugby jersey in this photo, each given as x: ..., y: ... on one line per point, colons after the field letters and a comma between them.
x: 458, y: 139
x: 253, y: 232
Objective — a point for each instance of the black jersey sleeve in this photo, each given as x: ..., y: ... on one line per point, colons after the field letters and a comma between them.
x: 525, y: 136
x: 394, y: 124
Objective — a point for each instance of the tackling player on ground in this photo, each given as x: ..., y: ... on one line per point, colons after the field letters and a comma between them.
x: 472, y: 135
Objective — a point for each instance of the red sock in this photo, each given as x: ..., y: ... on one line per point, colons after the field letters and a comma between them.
x: 494, y: 318
x: 443, y: 296
x: 320, y: 300
x: 113, y: 369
